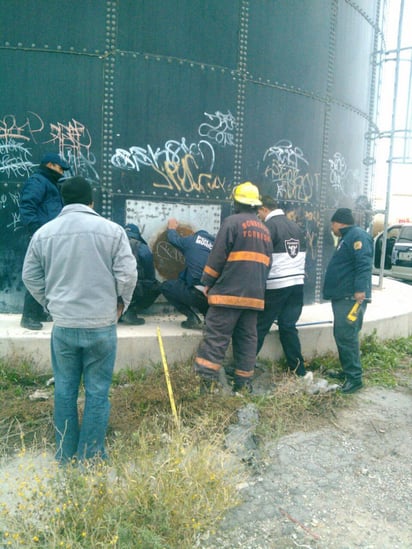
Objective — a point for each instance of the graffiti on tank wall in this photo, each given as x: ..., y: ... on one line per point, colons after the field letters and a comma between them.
x: 344, y: 181
x: 9, y: 202
x: 220, y: 128
x: 18, y: 137
x: 286, y: 167
x: 74, y: 143
x: 180, y: 166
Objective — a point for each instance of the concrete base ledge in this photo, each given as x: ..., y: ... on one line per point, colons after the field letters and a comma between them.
x: 389, y: 315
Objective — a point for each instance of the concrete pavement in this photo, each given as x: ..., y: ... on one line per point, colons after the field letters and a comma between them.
x: 390, y: 314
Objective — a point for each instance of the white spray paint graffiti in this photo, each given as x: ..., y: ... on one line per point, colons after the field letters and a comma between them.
x: 15, y: 159
x: 287, y: 168
x: 342, y: 178
x: 10, y: 201
x: 73, y: 140
x: 172, y: 153
x: 221, y: 128
x: 180, y: 167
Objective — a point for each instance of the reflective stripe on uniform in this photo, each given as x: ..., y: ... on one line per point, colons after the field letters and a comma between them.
x: 236, y: 301
x: 249, y: 256
x: 207, y: 364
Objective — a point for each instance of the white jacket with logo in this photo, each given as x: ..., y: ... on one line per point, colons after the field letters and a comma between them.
x: 78, y: 265
x: 289, y: 251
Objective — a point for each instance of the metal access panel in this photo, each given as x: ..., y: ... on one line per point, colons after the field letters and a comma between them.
x: 151, y: 217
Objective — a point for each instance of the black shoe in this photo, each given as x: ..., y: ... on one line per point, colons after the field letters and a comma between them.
x: 130, y: 318
x: 192, y: 323
x: 45, y: 317
x: 245, y: 388
x: 205, y: 387
x: 350, y: 387
x: 335, y: 375
x: 30, y: 324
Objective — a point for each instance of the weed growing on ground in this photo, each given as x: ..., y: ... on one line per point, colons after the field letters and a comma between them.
x: 163, y: 485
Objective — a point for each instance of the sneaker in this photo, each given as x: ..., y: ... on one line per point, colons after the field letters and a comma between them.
x: 30, y: 323
x: 192, y: 323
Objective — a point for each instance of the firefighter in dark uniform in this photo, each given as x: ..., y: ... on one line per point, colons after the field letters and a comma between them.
x: 186, y: 293
x: 234, y: 278
x: 348, y: 280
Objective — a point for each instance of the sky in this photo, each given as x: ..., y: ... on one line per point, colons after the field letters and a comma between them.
x: 394, y: 179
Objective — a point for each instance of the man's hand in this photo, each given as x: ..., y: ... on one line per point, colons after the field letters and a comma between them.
x: 172, y: 223
x: 120, y: 307
x: 359, y: 297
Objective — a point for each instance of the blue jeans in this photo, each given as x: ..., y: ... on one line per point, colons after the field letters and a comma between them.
x: 91, y: 353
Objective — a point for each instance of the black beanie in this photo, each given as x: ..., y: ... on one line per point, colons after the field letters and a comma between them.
x: 77, y: 190
x: 343, y: 215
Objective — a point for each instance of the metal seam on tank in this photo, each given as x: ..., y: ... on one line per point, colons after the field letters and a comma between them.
x: 108, y: 104
x: 242, y: 70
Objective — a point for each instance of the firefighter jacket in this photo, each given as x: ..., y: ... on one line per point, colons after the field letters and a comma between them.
x: 289, y: 252
x: 350, y: 268
x: 239, y: 263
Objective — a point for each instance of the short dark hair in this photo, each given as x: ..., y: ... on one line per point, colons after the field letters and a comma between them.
x: 77, y: 190
x: 269, y: 202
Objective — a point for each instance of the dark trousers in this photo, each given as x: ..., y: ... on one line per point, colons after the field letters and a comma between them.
x: 222, y: 325
x: 346, y: 336
x: 183, y: 297
x: 32, y: 308
x: 284, y: 305
x: 145, y: 294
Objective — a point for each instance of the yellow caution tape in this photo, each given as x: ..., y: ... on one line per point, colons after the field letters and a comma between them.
x: 167, y: 376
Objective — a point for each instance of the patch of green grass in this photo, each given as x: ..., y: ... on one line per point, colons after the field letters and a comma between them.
x: 164, y: 485
x: 382, y: 360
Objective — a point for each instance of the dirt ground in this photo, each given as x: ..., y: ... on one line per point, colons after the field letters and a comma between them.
x: 344, y: 486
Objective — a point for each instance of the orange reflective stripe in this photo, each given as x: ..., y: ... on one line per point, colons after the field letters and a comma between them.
x: 236, y: 301
x: 208, y: 270
x: 207, y: 364
x: 249, y: 256
x: 243, y: 373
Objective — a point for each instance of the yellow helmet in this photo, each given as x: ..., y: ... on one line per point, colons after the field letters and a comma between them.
x: 247, y: 193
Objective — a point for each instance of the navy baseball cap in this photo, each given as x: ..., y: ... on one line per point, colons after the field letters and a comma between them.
x: 55, y: 158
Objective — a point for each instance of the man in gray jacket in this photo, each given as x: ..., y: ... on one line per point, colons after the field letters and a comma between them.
x: 80, y: 267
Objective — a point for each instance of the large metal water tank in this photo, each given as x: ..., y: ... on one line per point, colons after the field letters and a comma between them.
x: 166, y: 105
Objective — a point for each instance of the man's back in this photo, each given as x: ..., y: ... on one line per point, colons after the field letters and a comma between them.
x: 84, y: 258
x: 289, y: 251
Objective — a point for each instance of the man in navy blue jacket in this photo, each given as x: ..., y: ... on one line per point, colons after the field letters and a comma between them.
x: 348, y: 280
x: 186, y: 293
x: 40, y: 202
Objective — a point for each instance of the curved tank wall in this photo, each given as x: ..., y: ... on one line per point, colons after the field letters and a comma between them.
x: 165, y: 106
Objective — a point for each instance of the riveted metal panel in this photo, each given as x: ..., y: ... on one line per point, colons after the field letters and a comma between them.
x: 169, y: 141
x: 354, y: 40
x: 55, y: 25
x: 289, y: 47
x: 199, y: 31
x: 163, y: 103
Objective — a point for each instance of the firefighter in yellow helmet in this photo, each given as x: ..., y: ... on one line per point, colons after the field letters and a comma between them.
x: 234, y: 278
